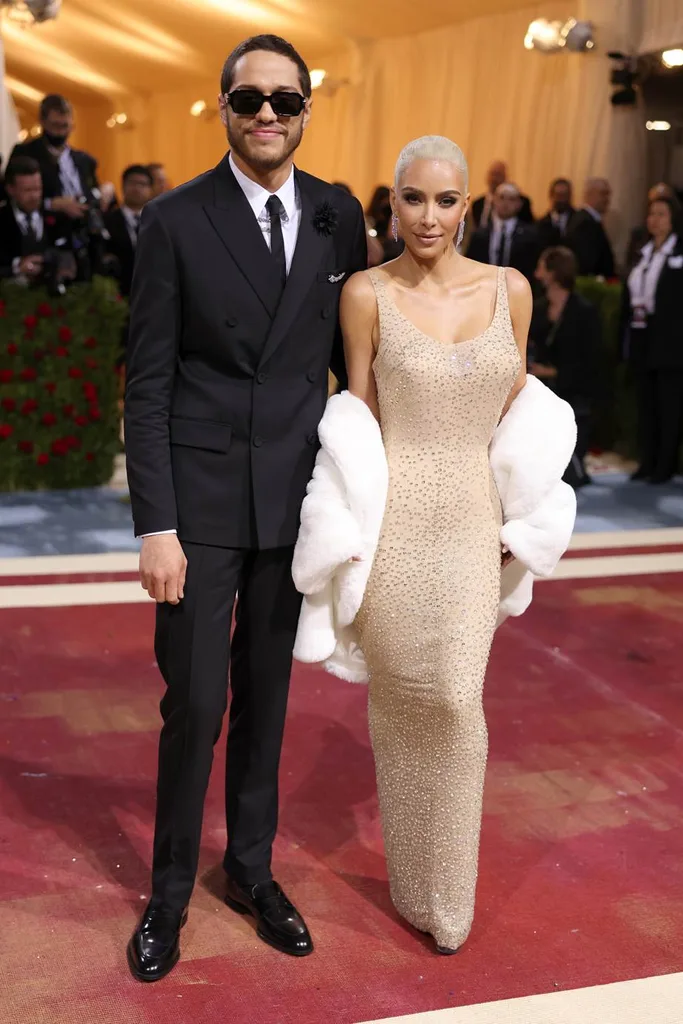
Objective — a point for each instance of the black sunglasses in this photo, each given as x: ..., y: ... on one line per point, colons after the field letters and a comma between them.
x: 248, y: 102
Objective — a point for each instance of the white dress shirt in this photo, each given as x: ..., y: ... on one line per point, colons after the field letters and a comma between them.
x: 644, y: 277
x: 68, y: 175
x: 24, y: 220
x: 594, y: 213
x: 257, y: 197
x: 132, y: 220
x: 560, y: 220
x: 499, y: 226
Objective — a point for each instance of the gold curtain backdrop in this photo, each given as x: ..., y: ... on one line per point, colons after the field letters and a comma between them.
x: 471, y: 80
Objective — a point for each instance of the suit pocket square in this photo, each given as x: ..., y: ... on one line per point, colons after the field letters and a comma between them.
x: 676, y: 262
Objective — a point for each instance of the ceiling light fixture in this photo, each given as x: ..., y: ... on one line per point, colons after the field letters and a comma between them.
x: 318, y: 76
x: 552, y: 36
x: 672, y: 58
x: 657, y: 126
x: 31, y: 12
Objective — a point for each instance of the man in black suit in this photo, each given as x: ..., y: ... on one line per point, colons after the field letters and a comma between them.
x: 483, y: 207
x: 27, y: 230
x: 233, y: 327
x: 69, y: 175
x: 506, y: 242
x: 552, y: 229
x: 586, y: 236
x: 123, y: 223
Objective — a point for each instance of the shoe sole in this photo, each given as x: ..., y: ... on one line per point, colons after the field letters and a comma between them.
x: 140, y: 976
x: 240, y: 908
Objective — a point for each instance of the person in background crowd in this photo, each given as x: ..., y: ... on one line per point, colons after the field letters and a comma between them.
x: 552, y: 228
x: 586, y: 235
x: 640, y: 235
x: 123, y: 224
x: 27, y: 230
x: 375, y: 248
x: 506, y: 241
x: 654, y: 341
x: 378, y: 223
x: 160, y: 182
x: 69, y: 175
x: 565, y: 342
x: 483, y: 207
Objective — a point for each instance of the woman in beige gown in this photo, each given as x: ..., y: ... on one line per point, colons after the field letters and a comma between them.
x: 435, y: 346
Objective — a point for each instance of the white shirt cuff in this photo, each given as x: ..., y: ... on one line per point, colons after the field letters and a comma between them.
x: 158, y: 533
x: 15, y: 265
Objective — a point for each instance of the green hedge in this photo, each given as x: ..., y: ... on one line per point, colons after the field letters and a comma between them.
x: 59, y: 416
x: 615, y: 415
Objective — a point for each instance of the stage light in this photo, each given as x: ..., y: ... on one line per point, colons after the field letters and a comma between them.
x: 318, y: 76
x: 657, y: 126
x: 198, y: 108
x: 625, y: 75
x: 544, y: 35
x: 672, y: 58
x: 119, y: 121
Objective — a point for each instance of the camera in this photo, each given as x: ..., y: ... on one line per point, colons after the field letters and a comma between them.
x: 59, y: 268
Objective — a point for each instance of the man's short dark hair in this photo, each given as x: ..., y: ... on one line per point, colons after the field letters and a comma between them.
x: 21, y: 167
x: 560, y: 181
x: 561, y: 263
x: 271, y: 44
x: 54, y: 104
x: 137, y: 169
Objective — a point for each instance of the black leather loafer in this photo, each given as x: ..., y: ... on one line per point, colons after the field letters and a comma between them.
x: 154, y: 948
x: 278, y: 922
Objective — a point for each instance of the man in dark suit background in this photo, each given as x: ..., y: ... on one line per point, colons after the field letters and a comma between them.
x: 483, y: 207
x: 69, y: 175
x: 553, y: 227
x: 27, y: 230
x: 506, y: 241
x: 123, y: 223
x: 586, y: 235
x: 234, y: 323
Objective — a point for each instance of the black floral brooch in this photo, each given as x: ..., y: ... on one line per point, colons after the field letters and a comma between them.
x: 325, y: 219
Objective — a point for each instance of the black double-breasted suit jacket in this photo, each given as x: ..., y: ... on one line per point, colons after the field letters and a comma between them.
x: 227, y: 379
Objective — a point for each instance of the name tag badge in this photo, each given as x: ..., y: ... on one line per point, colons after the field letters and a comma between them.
x: 639, y: 318
x: 676, y: 262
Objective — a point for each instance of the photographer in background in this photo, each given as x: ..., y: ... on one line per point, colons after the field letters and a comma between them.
x: 69, y: 175
x: 123, y: 223
x: 35, y: 243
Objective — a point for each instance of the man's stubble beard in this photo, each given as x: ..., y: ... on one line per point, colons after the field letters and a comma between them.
x: 266, y: 164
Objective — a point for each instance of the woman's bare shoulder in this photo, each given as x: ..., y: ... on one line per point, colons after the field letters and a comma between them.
x: 359, y: 291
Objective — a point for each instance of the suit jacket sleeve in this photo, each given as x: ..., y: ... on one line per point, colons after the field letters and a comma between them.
x: 581, y: 350
x: 358, y: 261
x: 152, y: 353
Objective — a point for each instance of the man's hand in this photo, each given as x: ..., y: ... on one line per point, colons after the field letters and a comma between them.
x: 68, y: 205
x: 31, y: 266
x: 541, y: 370
x: 162, y: 568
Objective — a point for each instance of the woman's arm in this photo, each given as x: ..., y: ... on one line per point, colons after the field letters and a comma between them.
x: 521, y: 305
x: 359, y: 324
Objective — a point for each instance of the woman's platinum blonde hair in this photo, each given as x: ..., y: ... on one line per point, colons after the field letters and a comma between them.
x: 431, y: 147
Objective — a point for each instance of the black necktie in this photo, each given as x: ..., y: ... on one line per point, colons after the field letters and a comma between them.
x: 500, y: 250
x: 277, y: 242
x: 136, y: 224
x: 31, y: 240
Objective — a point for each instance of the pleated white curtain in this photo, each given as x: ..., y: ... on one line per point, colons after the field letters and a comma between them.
x: 9, y: 123
x: 662, y: 26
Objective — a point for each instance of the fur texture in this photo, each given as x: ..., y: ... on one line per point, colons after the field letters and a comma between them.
x: 342, y: 515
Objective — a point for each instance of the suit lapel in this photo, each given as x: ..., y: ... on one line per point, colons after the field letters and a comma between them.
x: 233, y: 220
x: 310, y: 247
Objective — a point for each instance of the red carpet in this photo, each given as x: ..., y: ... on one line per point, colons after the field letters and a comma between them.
x: 582, y: 853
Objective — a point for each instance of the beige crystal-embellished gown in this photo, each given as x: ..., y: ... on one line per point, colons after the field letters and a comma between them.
x: 430, y: 608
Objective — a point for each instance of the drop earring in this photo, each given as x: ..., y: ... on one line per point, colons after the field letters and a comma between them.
x: 394, y: 227
x: 461, y: 233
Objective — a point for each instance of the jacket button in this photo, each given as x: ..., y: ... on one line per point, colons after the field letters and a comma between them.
x: 311, y: 376
x: 231, y: 321
x: 261, y: 378
x: 312, y: 438
x: 326, y: 313
x: 258, y: 441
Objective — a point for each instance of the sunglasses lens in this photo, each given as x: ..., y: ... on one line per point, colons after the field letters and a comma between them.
x: 246, y: 102
x: 287, y: 104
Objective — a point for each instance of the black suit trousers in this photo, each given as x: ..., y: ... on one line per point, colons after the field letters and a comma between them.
x: 660, y: 416
x: 196, y: 654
